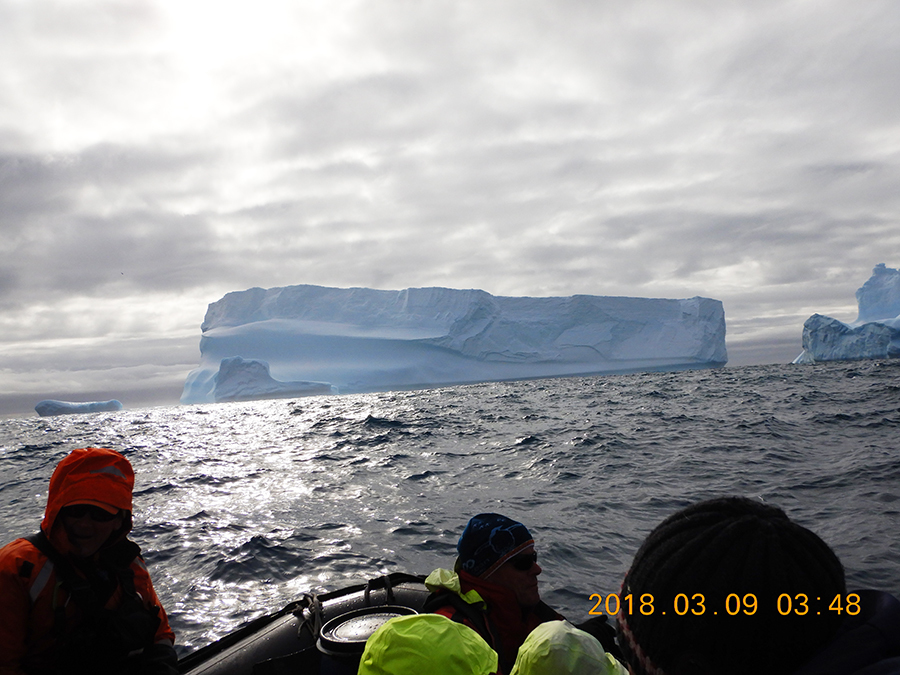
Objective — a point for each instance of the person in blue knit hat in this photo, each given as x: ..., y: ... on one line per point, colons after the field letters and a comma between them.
x: 493, y: 587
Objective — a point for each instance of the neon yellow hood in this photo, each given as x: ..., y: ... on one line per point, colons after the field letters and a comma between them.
x: 558, y: 648
x: 426, y: 643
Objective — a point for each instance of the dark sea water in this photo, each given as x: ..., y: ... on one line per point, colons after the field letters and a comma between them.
x: 242, y: 507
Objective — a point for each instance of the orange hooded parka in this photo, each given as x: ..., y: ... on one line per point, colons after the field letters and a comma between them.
x: 112, y: 613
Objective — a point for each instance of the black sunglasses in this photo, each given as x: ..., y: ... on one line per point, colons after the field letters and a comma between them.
x: 95, y: 513
x: 523, y: 561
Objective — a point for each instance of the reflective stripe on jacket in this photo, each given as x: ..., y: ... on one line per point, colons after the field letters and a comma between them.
x: 31, y: 598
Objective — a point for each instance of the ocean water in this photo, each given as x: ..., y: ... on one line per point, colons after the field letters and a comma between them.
x: 242, y: 507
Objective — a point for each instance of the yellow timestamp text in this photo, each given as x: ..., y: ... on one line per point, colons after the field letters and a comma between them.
x: 696, y: 604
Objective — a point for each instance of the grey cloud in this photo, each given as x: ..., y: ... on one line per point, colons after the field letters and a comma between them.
x: 78, y: 222
x: 73, y: 25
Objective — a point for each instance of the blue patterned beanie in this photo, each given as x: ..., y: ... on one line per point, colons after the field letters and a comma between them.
x: 488, y: 541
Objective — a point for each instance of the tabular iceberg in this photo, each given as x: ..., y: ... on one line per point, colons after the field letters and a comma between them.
x: 300, y: 340
x: 50, y: 407
x: 874, y: 335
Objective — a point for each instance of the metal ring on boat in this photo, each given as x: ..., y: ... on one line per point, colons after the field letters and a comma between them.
x: 346, y: 635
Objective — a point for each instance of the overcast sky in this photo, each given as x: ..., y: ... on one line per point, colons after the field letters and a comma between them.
x: 157, y: 154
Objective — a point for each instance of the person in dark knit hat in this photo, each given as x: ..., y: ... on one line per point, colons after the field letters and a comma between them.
x: 739, y: 588
x: 488, y: 541
x: 494, y: 588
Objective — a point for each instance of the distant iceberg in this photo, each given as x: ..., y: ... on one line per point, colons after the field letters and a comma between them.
x: 301, y: 340
x: 874, y: 335
x: 50, y: 407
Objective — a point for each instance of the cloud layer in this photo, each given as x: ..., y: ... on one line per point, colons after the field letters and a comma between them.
x: 154, y: 156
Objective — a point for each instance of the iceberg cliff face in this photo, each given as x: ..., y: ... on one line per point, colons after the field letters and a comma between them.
x: 359, y: 339
x: 874, y: 335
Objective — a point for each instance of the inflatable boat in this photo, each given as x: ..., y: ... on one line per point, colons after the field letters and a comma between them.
x: 314, y: 635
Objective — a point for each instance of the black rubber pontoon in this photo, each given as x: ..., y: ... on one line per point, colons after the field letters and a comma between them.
x: 315, y: 635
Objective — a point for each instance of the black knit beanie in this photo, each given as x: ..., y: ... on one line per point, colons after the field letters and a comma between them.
x: 729, y: 547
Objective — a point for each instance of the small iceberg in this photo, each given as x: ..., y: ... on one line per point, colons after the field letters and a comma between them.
x: 249, y: 379
x: 49, y: 408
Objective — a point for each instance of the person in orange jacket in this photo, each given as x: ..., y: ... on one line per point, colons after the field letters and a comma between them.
x: 76, y: 597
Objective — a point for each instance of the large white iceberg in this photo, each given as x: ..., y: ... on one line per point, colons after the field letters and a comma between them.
x: 309, y: 339
x: 50, y: 407
x: 874, y: 335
